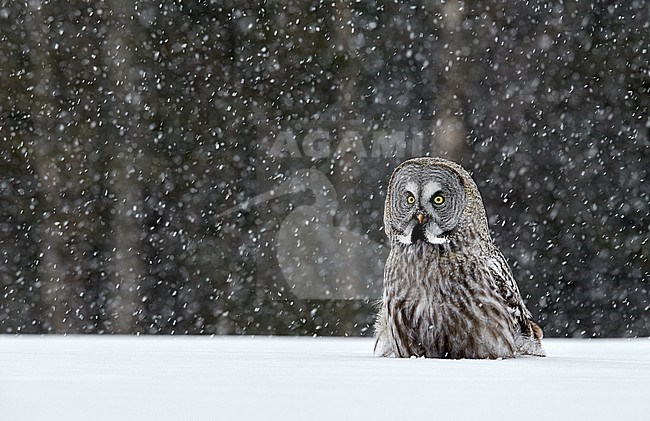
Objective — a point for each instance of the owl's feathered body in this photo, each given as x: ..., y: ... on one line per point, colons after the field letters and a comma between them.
x: 448, y: 291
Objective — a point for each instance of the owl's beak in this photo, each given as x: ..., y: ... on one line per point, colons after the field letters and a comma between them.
x: 420, y: 217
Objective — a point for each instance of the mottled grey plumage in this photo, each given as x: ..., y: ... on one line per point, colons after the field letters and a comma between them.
x: 448, y: 291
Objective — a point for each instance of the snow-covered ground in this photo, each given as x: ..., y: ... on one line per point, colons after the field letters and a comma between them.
x: 285, y: 378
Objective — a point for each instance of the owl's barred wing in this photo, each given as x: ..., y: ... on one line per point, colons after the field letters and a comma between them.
x: 507, y: 288
x: 505, y: 284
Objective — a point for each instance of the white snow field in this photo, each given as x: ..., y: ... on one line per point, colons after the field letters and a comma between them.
x: 301, y: 378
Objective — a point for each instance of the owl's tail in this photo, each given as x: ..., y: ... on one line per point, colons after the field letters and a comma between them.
x: 531, y: 343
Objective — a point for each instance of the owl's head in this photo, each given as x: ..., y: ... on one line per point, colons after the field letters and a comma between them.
x: 432, y: 200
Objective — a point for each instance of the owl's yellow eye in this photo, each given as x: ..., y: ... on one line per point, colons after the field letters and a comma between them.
x: 410, y: 199
x: 438, y: 199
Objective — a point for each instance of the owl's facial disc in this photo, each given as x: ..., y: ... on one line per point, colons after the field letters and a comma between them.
x: 428, y: 206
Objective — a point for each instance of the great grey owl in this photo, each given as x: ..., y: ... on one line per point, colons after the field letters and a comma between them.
x: 448, y: 291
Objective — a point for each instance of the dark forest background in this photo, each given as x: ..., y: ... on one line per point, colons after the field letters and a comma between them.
x: 129, y: 128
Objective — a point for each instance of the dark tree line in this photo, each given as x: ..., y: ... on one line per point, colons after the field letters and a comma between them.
x: 129, y: 129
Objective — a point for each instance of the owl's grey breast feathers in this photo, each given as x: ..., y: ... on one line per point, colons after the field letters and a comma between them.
x: 448, y: 291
